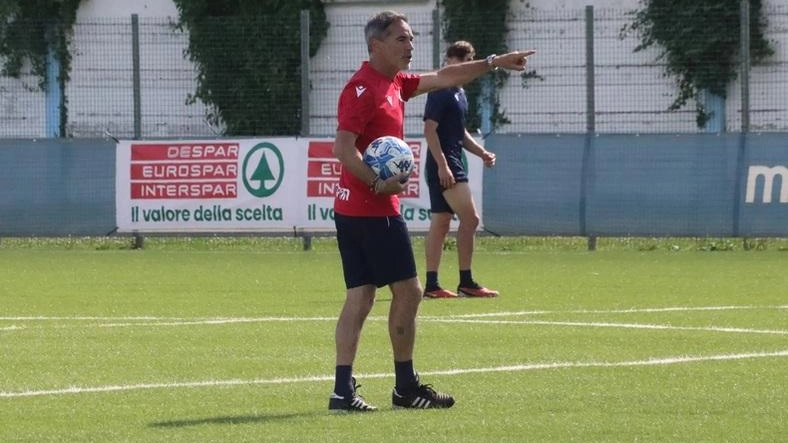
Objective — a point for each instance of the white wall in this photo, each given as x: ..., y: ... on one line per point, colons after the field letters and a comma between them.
x: 632, y: 93
x: 123, y: 8
x: 101, y: 91
x: 344, y: 49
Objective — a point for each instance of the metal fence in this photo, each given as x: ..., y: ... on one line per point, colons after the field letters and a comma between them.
x: 133, y: 78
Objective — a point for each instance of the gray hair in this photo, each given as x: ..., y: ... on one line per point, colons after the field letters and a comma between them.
x: 378, y: 25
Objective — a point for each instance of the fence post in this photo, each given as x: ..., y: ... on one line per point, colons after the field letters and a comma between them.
x: 135, y: 62
x: 138, y: 240
x: 590, y: 126
x: 744, y: 37
x: 745, y: 65
x: 305, y: 67
x: 436, y: 39
x: 53, y: 93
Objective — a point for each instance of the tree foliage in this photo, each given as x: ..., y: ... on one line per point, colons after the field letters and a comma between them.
x: 32, y: 29
x: 483, y: 23
x: 247, y: 53
x: 700, y: 41
x: 29, y: 29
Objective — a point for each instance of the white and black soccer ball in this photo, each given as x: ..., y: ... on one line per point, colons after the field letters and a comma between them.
x: 389, y: 156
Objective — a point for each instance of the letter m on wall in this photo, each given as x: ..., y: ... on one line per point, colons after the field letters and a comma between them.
x: 770, y: 176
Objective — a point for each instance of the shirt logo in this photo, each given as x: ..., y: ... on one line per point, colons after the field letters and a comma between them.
x: 360, y: 90
x: 342, y: 193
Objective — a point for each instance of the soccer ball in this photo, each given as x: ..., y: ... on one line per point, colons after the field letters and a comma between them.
x: 389, y: 156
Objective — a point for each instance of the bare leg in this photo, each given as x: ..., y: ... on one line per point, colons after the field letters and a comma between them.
x: 460, y: 199
x: 433, y: 245
x: 358, y: 304
x: 406, y: 296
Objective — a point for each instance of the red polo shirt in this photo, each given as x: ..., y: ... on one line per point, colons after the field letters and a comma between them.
x: 371, y: 105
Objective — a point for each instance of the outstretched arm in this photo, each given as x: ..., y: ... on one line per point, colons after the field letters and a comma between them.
x: 460, y: 73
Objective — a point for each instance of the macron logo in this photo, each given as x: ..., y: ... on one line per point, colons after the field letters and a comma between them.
x: 770, y: 176
x: 360, y: 90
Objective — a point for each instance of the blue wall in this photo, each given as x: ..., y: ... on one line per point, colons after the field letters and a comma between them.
x: 57, y: 187
x: 602, y: 185
x: 648, y: 185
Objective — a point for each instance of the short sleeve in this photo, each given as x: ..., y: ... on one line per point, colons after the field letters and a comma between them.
x: 355, y: 108
x: 409, y: 82
x: 433, y: 110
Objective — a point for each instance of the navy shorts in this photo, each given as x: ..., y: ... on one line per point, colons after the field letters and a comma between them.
x: 438, y: 202
x: 375, y: 250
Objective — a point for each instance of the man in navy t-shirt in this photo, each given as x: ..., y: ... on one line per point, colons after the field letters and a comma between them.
x: 444, y: 129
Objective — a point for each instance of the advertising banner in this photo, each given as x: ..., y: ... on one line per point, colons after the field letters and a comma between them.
x: 272, y: 184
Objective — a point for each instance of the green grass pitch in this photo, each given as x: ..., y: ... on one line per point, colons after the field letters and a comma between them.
x: 231, y: 340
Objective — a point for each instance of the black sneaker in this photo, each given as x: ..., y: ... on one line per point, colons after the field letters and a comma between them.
x: 424, y: 397
x: 351, y: 403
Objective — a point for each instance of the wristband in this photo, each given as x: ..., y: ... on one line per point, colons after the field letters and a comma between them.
x: 490, y: 59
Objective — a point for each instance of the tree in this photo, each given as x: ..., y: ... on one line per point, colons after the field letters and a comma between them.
x: 247, y: 54
x: 33, y: 31
x: 700, y: 43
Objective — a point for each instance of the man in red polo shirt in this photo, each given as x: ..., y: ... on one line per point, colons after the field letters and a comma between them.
x: 372, y: 236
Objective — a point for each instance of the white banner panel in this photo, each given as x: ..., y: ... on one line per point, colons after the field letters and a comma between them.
x: 272, y: 184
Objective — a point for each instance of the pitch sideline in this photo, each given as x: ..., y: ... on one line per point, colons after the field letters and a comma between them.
x: 617, y: 325
x: 174, y: 321
x: 462, y: 318
x: 325, y: 378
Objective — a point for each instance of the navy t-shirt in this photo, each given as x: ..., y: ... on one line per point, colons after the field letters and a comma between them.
x: 448, y: 107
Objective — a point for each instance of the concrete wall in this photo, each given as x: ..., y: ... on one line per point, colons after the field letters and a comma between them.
x: 91, y: 9
x: 632, y: 94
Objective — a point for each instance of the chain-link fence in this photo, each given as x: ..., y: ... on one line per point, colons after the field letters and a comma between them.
x: 134, y: 78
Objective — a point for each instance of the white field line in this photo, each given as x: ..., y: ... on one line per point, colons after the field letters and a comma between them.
x: 615, y: 325
x: 325, y: 378
x: 465, y: 318
x: 624, y: 311
x: 88, y: 318
x: 224, y: 321
x: 11, y: 328
x: 163, y: 321
x: 218, y: 320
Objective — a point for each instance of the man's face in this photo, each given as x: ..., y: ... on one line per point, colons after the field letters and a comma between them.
x: 397, y: 47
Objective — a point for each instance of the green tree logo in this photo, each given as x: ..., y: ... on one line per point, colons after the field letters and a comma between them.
x: 263, y: 169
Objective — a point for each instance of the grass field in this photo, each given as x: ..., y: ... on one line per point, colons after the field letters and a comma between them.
x: 231, y: 340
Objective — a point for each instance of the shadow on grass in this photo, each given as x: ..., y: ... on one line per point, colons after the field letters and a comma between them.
x: 257, y: 418
x: 228, y: 420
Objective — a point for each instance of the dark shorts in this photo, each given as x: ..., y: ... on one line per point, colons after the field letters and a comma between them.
x: 437, y: 202
x: 375, y: 250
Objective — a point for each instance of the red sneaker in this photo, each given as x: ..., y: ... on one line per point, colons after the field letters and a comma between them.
x: 477, y: 291
x: 439, y: 293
